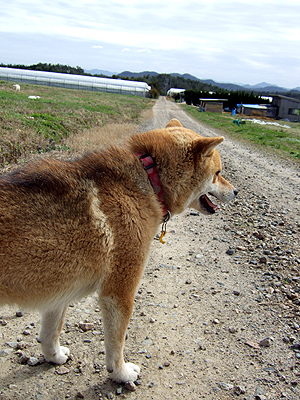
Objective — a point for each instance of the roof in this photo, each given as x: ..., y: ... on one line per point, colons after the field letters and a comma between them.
x: 174, y: 91
x: 256, y: 106
x: 213, y: 99
x: 280, y: 96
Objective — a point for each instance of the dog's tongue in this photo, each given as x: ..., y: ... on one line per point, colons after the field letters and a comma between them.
x: 205, y: 201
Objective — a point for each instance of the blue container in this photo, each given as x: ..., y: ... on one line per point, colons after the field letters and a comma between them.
x: 233, y: 112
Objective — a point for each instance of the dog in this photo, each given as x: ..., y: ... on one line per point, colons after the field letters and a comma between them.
x: 70, y: 228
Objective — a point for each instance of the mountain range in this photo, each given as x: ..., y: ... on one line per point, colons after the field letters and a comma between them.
x: 263, y: 86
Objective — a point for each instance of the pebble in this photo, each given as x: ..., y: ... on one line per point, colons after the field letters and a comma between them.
x: 238, y: 390
x: 226, y: 386
x: 32, y: 361
x: 62, y: 370
x: 119, y: 391
x: 265, y: 342
x: 230, y: 252
x: 86, y: 326
x: 130, y: 386
x: 23, y: 359
x: 5, y: 352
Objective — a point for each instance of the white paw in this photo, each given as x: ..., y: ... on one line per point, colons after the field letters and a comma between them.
x: 128, y: 373
x: 59, y: 357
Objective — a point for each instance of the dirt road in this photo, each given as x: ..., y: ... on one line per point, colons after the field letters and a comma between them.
x: 216, y: 314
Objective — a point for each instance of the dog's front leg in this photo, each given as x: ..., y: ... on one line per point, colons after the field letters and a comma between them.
x: 51, y: 325
x: 116, y: 316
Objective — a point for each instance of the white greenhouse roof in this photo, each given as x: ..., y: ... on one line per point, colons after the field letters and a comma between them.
x: 71, y: 81
x: 174, y: 91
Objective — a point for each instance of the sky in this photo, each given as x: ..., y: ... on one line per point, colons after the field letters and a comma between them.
x: 242, y: 42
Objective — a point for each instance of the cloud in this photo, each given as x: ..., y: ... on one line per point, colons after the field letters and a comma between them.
x: 202, y: 37
x: 144, y: 51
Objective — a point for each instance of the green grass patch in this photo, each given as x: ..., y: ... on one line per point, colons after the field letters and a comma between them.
x: 277, y: 139
x: 29, y: 125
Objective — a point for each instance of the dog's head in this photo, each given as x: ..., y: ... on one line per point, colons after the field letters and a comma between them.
x: 189, y: 167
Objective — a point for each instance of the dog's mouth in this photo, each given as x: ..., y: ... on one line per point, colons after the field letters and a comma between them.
x: 208, y: 204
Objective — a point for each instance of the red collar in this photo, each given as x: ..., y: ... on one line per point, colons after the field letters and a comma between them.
x: 150, y: 167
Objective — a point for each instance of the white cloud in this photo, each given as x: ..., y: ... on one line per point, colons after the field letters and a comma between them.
x: 144, y: 51
x: 97, y: 47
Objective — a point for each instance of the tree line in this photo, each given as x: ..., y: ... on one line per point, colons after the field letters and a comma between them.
x: 233, y: 98
x: 65, y: 69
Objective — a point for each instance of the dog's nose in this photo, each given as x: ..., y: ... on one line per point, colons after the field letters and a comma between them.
x: 235, y: 191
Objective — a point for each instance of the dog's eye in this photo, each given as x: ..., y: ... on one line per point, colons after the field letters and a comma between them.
x: 217, y: 173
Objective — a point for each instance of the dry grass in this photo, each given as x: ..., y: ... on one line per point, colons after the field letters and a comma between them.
x: 95, y: 138
x: 63, y: 123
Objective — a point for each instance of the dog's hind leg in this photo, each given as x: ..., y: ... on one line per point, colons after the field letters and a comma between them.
x: 116, y: 316
x: 51, y: 325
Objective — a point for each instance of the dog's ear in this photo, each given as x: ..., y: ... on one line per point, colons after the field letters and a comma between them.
x: 205, y: 145
x: 173, y: 123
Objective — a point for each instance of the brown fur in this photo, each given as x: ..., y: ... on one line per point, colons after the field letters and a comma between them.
x: 70, y: 228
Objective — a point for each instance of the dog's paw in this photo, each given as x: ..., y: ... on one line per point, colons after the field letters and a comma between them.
x: 60, y: 357
x: 128, y: 373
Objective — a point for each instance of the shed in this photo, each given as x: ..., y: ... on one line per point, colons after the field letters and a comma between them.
x: 287, y: 107
x: 71, y: 81
x: 254, y: 110
x: 173, y: 91
x: 212, y: 105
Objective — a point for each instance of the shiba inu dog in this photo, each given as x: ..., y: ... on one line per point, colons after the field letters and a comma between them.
x: 70, y: 228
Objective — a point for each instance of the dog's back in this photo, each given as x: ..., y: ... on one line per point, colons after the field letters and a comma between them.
x: 60, y: 225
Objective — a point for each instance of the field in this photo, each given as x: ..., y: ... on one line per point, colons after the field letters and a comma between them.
x: 77, y: 121
x: 279, y: 139
x: 61, y: 119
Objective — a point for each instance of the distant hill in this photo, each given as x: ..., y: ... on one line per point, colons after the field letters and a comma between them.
x: 226, y: 86
x: 186, y: 76
x: 128, y: 74
x: 266, y: 87
x: 261, y: 85
x: 99, y: 72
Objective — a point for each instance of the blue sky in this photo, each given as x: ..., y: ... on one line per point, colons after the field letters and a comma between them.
x: 227, y: 41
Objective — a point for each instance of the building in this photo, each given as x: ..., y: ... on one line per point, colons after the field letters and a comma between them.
x: 173, y: 91
x: 254, y: 110
x: 212, y: 105
x: 176, y: 91
x: 286, y: 107
x: 70, y: 81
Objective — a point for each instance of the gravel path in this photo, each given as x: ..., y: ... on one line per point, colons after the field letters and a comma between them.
x: 217, y: 311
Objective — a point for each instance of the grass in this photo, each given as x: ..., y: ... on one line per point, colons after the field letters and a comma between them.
x: 59, y: 117
x: 277, y: 139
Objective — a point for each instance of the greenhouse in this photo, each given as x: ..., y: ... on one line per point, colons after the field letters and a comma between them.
x: 70, y: 81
